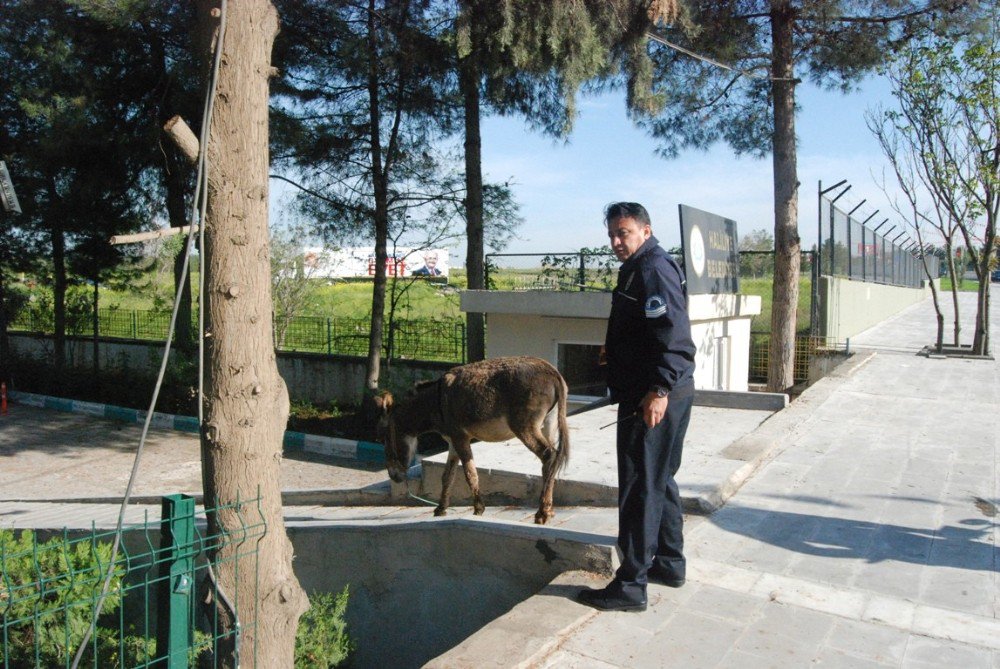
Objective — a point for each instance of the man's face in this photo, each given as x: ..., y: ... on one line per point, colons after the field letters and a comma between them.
x: 430, y: 259
x: 627, y: 235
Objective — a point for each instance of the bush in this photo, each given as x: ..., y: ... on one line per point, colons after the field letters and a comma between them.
x: 51, y: 591
x: 321, y: 641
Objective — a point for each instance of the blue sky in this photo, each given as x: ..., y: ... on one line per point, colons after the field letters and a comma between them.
x: 563, y: 187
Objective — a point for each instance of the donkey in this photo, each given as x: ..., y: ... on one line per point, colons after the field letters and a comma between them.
x: 491, y: 400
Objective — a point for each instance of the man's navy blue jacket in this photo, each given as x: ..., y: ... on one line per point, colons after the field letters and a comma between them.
x: 649, y: 334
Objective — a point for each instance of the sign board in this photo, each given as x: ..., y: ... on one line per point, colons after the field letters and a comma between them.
x: 359, y: 262
x: 711, y: 252
x: 7, y: 195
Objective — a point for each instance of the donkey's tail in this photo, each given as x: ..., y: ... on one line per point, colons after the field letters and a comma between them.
x: 562, y: 455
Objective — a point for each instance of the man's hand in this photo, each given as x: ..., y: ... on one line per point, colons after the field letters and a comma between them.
x: 653, y: 408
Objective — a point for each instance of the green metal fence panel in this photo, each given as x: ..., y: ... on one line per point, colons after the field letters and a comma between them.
x: 50, y: 586
x: 414, y: 339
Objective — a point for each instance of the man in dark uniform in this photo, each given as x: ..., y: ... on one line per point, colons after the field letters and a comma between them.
x: 650, y: 362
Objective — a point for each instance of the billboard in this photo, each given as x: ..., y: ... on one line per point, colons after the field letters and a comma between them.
x: 359, y: 262
x: 711, y: 252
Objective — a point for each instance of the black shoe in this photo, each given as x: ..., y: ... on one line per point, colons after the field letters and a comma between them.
x: 661, y: 577
x: 610, y: 599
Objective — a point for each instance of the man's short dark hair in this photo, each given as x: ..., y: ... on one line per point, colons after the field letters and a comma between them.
x: 633, y: 210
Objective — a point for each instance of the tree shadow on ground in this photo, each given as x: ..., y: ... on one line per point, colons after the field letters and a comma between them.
x: 965, y: 544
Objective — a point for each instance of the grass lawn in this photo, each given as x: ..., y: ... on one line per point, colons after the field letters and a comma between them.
x: 762, y: 287
x: 964, y: 285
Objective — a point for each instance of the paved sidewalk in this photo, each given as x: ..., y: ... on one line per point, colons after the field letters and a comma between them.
x: 870, y: 541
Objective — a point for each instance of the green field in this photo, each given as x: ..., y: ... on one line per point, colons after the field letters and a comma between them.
x: 762, y: 287
x: 331, y: 299
x: 425, y: 299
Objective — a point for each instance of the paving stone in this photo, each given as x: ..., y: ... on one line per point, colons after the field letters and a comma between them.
x: 871, y: 642
x: 829, y: 658
x: 691, y: 640
x: 924, y: 652
x: 716, y: 602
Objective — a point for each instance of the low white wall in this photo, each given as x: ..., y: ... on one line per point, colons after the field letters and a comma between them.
x: 849, y: 307
x: 720, y: 327
x: 534, y: 323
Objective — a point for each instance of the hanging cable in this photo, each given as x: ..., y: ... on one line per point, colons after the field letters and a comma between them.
x: 199, y: 195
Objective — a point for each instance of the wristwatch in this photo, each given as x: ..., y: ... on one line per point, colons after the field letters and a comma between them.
x: 660, y: 391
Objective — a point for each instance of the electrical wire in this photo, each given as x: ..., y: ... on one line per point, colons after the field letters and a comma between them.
x: 201, y: 180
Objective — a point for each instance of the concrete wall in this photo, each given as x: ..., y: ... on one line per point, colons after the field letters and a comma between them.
x: 534, y: 323
x: 720, y: 327
x: 419, y: 589
x: 849, y: 307
x: 311, y: 377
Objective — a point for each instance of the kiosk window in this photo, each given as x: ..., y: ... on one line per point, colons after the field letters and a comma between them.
x: 579, y: 365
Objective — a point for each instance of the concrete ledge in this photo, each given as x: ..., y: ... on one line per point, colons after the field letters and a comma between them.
x: 731, y: 399
x: 528, y: 632
x: 336, y: 447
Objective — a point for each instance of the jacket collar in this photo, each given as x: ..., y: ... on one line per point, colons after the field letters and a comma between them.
x: 634, y: 258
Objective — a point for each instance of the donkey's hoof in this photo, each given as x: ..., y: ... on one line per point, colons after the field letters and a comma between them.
x: 440, y: 512
x: 542, y: 517
x: 478, y: 510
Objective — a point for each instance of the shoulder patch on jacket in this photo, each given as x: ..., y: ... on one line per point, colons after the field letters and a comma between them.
x: 656, y: 306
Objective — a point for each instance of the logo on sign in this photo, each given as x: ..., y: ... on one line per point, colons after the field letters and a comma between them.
x: 697, y: 251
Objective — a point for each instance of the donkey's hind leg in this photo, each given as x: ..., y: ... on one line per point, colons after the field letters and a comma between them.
x: 539, y: 445
x: 447, y: 479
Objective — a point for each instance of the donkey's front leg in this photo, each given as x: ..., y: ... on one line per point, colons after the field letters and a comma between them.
x: 447, y: 479
x: 464, y: 449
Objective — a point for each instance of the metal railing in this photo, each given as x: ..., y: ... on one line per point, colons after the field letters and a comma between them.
x: 587, y: 269
x: 410, y: 339
x: 152, y: 613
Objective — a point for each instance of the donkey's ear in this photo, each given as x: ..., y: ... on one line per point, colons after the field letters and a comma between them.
x: 384, y: 401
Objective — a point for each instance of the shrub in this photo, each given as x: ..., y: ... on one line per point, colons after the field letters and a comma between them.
x: 51, y: 590
x: 321, y: 640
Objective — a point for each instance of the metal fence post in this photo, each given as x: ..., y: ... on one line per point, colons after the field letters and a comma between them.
x: 329, y: 337
x: 583, y: 272
x: 462, y: 340
x: 176, y: 587
x: 135, y: 324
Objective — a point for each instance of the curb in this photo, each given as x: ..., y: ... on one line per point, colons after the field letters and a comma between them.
x: 363, y: 451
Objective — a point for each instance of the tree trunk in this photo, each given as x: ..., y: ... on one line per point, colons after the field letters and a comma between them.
x: 176, y: 168
x: 4, y: 340
x: 246, y: 402
x: 97, y: 332
x: 953, y: 274
x: 176, y: 186
x: 381, y: 222
x: 981, y: 339
x: 59, y: 301
x: 787, y: 259
x: 476, y: 276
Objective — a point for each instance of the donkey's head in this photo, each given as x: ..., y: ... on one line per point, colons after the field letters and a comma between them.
x: 399, y: 448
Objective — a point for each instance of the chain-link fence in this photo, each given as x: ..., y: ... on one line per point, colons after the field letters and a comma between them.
x: 864, y: 249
